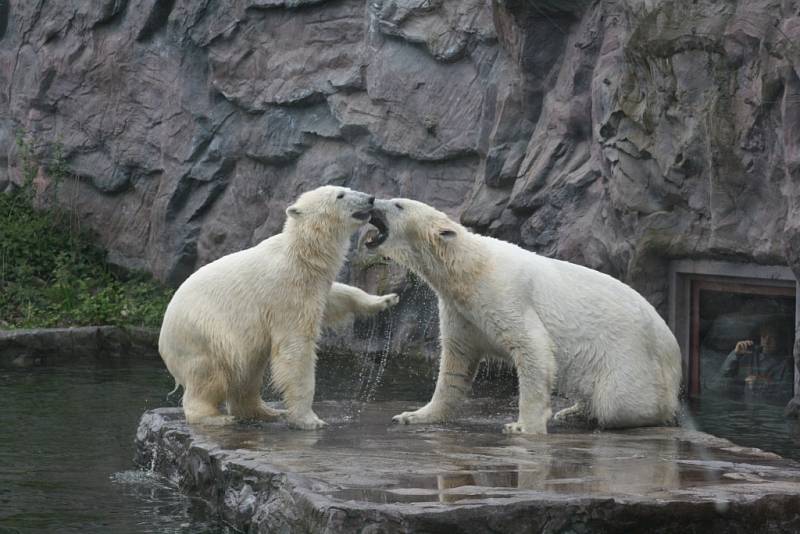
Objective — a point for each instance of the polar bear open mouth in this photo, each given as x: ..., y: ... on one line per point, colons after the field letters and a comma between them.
x: 375, y: 237
x: 362, y: 215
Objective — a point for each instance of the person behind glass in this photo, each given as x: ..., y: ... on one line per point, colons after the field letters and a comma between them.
x: 761, y: 366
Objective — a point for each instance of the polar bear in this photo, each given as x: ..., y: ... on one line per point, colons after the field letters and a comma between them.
x: 266, y: 305
x: 561, y: 325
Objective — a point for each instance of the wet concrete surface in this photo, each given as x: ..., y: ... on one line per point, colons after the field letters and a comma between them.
x: 362, y: 472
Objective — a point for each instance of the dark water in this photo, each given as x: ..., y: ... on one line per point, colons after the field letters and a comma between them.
x: 67, y: 439
x: 66, y: 450
x: 747, y: 422
x: 67, y: 442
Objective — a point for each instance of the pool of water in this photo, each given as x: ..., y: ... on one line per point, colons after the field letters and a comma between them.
x: 66, y: 453
x: 748, y: 422
x: 67, y: 439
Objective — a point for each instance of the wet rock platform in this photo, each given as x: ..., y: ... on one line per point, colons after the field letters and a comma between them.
x: 363, y: 474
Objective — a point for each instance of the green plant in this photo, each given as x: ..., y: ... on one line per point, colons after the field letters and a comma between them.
x: 56, y: 276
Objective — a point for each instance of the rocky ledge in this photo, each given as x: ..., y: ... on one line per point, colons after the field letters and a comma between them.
x: 362, y: 474
x: 49, y: 346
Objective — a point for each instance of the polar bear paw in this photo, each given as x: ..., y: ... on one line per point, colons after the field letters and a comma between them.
x: 387, y: 301
x: 214, y: 420
x: 415, y: 418
x: 523, y: 428
x: 262, y: 412
x: 577, y: 410
x: 306, y: 422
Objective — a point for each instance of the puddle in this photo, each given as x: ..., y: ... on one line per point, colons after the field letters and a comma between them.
x: 413, y: 495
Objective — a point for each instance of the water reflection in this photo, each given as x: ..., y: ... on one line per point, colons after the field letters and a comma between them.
x: 605, y: 466
x: 751, y: 421
x: 470, y: 461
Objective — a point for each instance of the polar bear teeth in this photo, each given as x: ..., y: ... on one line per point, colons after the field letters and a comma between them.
x: 377, y: 235
x: 371, y: 236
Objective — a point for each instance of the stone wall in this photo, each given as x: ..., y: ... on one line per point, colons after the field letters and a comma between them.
x: 617, y: 134
x: 53, y: 346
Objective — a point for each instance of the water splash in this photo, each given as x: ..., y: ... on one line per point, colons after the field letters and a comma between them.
x: 383, y: 357
x: 375, y: 358
x: 367, y: 362
x: 143, y: 476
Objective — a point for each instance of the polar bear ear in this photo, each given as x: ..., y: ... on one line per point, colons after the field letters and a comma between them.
x: 293, y: 211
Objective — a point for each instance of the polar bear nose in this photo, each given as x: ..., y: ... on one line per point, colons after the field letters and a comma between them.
x: 371, y: 200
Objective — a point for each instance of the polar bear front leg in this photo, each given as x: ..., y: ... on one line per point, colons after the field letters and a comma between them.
x: 457, y: 367
x: 293, y: 369
x: 345, y: 301
x: 533, y: 356
x: 453, y: 385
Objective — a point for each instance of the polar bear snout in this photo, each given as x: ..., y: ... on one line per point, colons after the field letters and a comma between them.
x: 362, y: 204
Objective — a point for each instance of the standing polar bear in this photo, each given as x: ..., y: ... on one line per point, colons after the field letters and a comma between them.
x: 266, y: 305
x: 592, y: 337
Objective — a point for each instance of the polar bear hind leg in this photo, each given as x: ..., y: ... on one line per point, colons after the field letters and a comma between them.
x: 204, y: 386
x: 204, y: 393
x: 244, y: 400
x: 620, y: 402
x: 576, y: 410
x: 640, y: 381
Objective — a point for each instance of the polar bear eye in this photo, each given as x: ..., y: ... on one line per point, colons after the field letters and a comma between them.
x: 398, y: 205
x: 340, y: 195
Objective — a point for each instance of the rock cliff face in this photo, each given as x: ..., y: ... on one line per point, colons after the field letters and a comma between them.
x: 617, y: 134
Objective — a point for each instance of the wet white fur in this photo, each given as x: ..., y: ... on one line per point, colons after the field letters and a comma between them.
x: 562, y: 326
x: 265, y: 305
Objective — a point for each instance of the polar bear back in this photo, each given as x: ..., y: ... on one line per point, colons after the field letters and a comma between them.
x: 601, y: 328
x: 229, y: 303
x: 225, y: 285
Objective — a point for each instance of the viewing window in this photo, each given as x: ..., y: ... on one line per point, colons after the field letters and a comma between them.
x: 735, y: 324
x: 741, y: 339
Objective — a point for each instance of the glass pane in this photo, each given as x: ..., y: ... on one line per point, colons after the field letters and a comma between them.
x: 746, y: 344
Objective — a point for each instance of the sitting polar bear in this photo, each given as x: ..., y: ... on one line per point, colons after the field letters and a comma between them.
x: 263, y: 305
x: 594, y: 338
